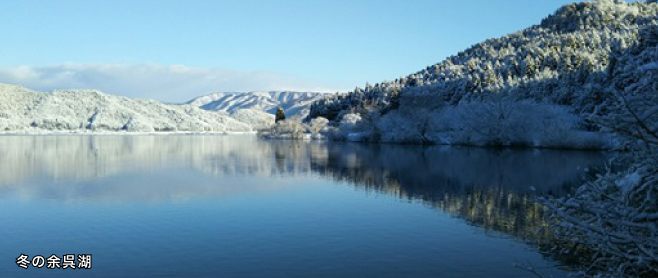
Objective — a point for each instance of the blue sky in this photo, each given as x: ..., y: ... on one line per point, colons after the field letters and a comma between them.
x: 175, y: 50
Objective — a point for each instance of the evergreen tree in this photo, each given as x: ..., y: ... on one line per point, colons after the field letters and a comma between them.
x: 280, y: 115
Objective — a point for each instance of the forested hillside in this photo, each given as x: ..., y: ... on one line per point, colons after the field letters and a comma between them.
x: 560, y: 73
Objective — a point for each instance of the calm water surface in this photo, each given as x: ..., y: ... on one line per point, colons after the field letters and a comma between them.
x: 236, y: 206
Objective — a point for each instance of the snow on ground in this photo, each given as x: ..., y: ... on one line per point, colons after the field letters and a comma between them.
x: 26, y: 111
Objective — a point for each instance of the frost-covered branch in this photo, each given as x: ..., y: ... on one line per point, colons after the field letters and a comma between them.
x: 614, y: 219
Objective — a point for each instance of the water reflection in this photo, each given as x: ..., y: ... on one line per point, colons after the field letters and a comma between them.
x: 488, y: 188
x: 493, y: 189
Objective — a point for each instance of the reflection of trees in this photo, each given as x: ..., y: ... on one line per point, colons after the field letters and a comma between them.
x: 496, y: 209
x: 488, y: 188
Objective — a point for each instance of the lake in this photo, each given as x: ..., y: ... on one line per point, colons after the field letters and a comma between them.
x: 238, y: 206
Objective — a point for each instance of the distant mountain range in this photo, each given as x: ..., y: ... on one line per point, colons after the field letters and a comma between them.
x: 295, y: 104
x: 26, y: 111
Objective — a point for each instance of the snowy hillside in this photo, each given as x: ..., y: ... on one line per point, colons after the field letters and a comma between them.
x: 551, y: 61
x: 23, y: 110
x: 559, y: 74
x: 257, y: 119
x: 294, y: 103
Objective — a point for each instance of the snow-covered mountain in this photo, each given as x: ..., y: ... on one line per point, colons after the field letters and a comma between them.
x: 24, y: 110
x: 574, y: 62
x: 294, y: 103
x: 566, y: 59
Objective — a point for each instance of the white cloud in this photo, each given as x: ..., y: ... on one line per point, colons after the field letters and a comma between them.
x: 173, y: 83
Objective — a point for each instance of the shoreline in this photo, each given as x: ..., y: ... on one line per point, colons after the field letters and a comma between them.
x: 109, y: 133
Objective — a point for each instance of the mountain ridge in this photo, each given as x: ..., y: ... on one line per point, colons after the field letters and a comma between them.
x: 294, y: 103
x: 26, y: 111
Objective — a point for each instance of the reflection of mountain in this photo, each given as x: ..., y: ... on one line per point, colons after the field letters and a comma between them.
x: 138, y: 167
x: 93, y: 157
x: 431, y: 168
x: 489, y: 188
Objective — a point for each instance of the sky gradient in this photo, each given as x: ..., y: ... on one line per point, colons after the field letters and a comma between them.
x: 175, y: 50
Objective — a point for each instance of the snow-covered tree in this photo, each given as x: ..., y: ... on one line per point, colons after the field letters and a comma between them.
x: 612, y: 222
x: 554, y: 60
